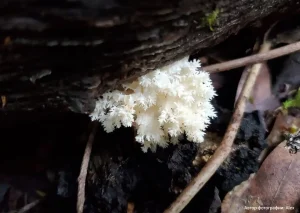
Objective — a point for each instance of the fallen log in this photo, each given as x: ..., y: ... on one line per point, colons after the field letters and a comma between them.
x: 62, y: 55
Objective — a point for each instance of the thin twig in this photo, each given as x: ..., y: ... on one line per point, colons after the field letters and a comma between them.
x: 225, y: 147
x: 84, y: 168
x: 28, y: 207
x: 256, y: 58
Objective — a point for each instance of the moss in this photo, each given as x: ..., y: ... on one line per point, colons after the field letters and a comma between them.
x: 211, y: 19
x: 294, y: 102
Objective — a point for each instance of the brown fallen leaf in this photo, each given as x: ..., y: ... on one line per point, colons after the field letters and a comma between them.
x: 277, y: 181
x: 234, y: 200
x: 276, y: 184
x: 283, y: 123
x: 262, y: 98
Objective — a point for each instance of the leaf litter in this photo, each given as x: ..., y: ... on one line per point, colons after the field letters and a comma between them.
x: 121, y: 179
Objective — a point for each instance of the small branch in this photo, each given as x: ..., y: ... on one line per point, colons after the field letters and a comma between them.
x: 84, y: 168
x: 256, y: 58
x: 225, y: 147
x: 28, y: 207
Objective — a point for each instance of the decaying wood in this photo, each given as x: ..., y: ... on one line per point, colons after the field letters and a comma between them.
x: 225, y: 147
x: 64, y: 54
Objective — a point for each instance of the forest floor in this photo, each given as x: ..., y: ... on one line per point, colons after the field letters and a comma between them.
x: 41, y: 152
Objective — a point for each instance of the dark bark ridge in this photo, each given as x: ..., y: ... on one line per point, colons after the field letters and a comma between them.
x: 64, y: 54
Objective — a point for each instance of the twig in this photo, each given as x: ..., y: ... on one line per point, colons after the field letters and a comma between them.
x: 225, y: 147
x: 28, y: 207
x: 84, y: 168
x: 256, y: 58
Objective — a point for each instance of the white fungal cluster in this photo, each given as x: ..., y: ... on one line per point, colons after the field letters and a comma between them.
x: 161, y: 105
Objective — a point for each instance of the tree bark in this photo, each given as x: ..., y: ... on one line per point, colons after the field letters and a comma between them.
x: 64, y: 54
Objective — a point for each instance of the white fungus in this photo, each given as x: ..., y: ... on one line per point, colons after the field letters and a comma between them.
x: 162, y: 105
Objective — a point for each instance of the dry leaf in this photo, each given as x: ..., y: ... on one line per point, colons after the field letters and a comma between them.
x: 234, y: 201
x: 283, y: 123
x: 277, y: 181
x: 262, y: 98
x: 276, y: 184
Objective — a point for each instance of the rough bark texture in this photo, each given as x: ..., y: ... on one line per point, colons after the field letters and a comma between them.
x: 63, y: 54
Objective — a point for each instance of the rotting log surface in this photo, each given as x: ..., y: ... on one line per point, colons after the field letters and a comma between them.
x: 63, y: 54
